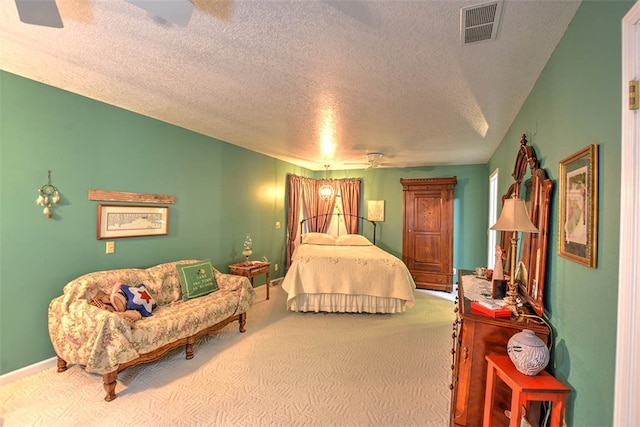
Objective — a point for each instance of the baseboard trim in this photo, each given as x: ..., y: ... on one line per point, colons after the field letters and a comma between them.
x: 12, y: 376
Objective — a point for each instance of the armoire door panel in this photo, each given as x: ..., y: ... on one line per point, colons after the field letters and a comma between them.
x: 428, y: 214
x: 428, y: 250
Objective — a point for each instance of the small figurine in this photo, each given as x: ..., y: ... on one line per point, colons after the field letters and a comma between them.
x: 498, y: 272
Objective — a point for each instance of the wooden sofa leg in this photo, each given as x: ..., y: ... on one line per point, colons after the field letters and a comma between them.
x: 62, y: 364
x: 189, y: 347
x: 109, y: 382
x: 243, y: 321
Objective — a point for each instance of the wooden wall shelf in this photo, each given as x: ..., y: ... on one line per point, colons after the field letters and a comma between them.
x: 122, y: 196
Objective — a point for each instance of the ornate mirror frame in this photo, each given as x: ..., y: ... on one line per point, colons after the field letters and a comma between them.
x: 532, y: 247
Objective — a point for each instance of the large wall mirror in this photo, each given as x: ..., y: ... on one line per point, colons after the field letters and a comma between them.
x: 532, y: 185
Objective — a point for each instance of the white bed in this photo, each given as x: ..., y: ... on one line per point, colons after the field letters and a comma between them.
x: 347, y: 274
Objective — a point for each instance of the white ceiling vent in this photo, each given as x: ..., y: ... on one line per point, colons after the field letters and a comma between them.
x: 479, y: 22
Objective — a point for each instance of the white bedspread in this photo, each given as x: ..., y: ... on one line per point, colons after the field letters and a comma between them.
x: 349, y: 270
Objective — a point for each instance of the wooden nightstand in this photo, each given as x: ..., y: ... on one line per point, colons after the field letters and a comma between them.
x: 251, y: 270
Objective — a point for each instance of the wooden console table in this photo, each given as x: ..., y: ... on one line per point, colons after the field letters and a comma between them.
x: 474, y: 337
x: 251, y: 270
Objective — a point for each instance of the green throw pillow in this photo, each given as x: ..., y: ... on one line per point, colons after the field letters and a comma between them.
x: 197, y: 279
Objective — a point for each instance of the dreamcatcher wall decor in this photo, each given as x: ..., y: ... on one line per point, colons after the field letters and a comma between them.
x: 48, y: 197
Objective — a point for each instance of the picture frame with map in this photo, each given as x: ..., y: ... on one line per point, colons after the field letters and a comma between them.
x: 578, y: 212
x: 119, y: 221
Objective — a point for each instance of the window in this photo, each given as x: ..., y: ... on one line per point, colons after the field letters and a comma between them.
x: 336, y: 223
x: 493, y: 217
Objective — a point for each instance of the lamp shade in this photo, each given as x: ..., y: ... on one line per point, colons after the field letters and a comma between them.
x: 514, y: 217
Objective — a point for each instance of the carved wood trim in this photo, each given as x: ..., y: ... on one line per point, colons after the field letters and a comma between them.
x: 533, y: 247
x: 122, y: 196
x: 109, y: 379
x: 411, y: 184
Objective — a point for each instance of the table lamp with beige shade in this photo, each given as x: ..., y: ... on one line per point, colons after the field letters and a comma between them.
x: 515, y: 218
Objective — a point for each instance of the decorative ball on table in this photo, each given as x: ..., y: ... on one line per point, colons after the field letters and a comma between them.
x: 528, y: 353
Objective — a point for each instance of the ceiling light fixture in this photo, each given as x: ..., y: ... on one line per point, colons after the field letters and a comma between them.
x: 326, y: 191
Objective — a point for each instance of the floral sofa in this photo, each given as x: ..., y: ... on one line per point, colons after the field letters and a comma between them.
x: 106, y: 343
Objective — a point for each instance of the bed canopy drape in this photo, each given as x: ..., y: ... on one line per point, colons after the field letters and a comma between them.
x: 304, y: 192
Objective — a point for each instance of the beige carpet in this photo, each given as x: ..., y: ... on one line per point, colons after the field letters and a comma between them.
x: 287, y: 369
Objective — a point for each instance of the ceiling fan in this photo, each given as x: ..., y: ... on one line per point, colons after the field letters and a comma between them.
x: 44, y: 13
x: 47, y: 13
x: 374, y: 160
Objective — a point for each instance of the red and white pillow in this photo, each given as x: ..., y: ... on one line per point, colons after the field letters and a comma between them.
x: 125, y: 297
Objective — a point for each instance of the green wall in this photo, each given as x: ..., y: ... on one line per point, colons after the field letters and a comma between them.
x: 576, y: 102
x: 222, y: 192
x: 470, y: 207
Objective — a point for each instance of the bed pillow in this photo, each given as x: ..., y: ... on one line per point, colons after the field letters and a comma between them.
x: 318, y: 239
x: 196, y: 279
x: 352, y: 240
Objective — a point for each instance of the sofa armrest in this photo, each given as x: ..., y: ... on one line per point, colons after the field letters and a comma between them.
x: 240, y: 285
x: 86, y: 335
x: 231, y: 282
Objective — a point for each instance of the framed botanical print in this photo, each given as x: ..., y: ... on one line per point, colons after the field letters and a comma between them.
x: 578, y: 225
x: 375, y: 210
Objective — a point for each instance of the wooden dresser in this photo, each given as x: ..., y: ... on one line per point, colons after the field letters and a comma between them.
x: 427, y: 236
x: 474, y: 337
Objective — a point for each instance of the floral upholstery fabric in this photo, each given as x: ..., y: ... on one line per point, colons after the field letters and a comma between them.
x: 101, y: 340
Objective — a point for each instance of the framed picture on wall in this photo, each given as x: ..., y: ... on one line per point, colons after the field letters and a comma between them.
x: 375, y: 210
x: 118, y: 221
x: 578, y: 184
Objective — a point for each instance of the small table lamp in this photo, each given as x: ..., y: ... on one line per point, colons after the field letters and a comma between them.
x: 247, y: 251
x: 514, y: 218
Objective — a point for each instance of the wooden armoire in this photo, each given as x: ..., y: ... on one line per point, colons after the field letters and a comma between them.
x: 427, y: 236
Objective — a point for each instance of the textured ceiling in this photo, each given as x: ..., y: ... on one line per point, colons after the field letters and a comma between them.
x: 284, y: 77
